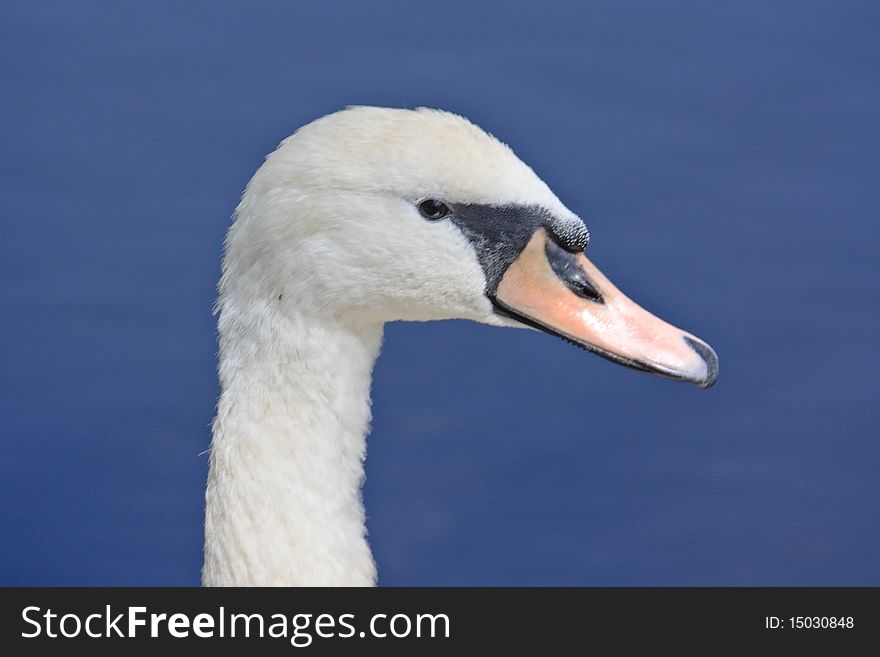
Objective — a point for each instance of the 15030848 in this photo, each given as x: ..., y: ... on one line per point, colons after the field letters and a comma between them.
x: 821, y: 622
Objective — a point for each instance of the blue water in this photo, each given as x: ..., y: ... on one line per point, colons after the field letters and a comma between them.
x: 726, y: 159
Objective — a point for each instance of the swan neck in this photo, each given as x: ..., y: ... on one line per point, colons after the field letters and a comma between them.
x: 283, y: 502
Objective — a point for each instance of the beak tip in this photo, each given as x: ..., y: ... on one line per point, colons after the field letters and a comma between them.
x: 707, y: 383
x: 709, y: 357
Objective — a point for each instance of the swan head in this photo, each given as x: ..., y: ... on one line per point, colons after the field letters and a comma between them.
x: 380, y: 214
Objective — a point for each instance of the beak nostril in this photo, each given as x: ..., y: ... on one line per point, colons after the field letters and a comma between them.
x: 569, y: 271
x: 709, y: 357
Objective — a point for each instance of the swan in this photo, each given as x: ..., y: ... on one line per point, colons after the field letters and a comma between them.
x: 364, y: 216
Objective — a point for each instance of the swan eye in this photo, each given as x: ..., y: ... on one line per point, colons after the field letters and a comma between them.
x: 433, y: 209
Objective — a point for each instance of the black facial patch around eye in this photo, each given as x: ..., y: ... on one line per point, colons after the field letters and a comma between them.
x: 499, y: 233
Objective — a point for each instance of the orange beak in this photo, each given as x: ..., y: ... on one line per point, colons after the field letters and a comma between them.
x: 564, y: 293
